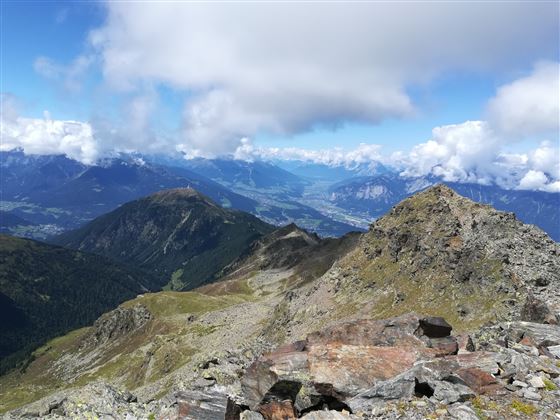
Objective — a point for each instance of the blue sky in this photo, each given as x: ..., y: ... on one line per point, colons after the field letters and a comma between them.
x: 195, y: 77
x: 57, y: 30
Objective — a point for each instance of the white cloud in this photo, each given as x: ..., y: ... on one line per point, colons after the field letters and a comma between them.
x: 537, y: 180
x: 132, y: 129
x: 44, y: 136
x: 460, y: 152
x: 546, y: 158
x: 288, y: 67
x: 529, y: 105
x: 471, y: 152
x: 69, y: 76
x: 363, y: 154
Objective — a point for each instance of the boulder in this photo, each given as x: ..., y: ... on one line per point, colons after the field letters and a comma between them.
x: 444, y: 346
x: 329, y: 415
x: 535, y: 310
x: 539, y: 332
x: 465, y: 344
x: 554, y: 350
x: 462, y: 412
x: 479, y: 380
x: 341, y: 361
x: 278, y: 410
x: 435, y: 327
x: 250, y: 415
x: 198, y: 405
x: 448, y: 392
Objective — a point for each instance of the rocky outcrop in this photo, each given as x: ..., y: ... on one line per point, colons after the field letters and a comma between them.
x: 338, y: 366
x: 118, y: 323
x: 360, y: 367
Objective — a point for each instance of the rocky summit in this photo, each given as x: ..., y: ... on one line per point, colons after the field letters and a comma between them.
x: 444, y: 309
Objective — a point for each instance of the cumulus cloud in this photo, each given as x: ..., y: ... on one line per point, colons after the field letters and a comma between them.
x: 472, y: 152
x: 460, y: 152
x: 288, y: 67
x: 45, y: 137
x: 529, y: 105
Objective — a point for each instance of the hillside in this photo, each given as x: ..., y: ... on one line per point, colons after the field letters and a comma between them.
x: 47, y: 290
x: 436, y: 253
x: 180, y: 235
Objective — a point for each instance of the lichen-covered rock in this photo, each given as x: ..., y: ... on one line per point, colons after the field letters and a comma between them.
x: 118, y: 323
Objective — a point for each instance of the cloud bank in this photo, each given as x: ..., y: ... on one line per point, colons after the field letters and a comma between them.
x: 285, y: 68
x: 530, y: 105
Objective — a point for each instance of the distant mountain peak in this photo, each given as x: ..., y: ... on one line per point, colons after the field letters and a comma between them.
x: 175, y: 195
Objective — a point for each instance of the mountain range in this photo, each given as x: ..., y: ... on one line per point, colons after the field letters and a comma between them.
x: 56, y: 193
x: 53, y: 193
x: 436, y: 253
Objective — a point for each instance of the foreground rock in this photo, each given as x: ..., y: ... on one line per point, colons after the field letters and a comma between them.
x: 403, y: 367
x: 362, y: 369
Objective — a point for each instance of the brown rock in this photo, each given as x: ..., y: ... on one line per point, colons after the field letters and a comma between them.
x: 483, y: 360
x: 478, y: 380
x: 444, y: 346
x: 352, y: 369
x: 528, y: 341
x: 278, y: 410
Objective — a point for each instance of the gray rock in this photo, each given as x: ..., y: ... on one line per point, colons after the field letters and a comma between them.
x: 555, y: 350
x: 328, y: 415
x: 448, y: 393
x: 536, y: 382
x: 539, y: 332
x: 250, y: 415
x: 530, y: 395
x: 461, y: 412
x: 198, y: 405
x: 520, y: 384
x: 118, y: 323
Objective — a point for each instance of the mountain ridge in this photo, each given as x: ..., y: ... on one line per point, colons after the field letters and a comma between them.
x: 179, y: 234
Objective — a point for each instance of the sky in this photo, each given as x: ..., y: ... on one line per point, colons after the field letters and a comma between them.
x: 463, y: 90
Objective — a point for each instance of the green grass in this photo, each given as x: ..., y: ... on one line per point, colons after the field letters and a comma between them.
x: 549, y: 385
x: 524, y: 408
x: 170, y: 303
